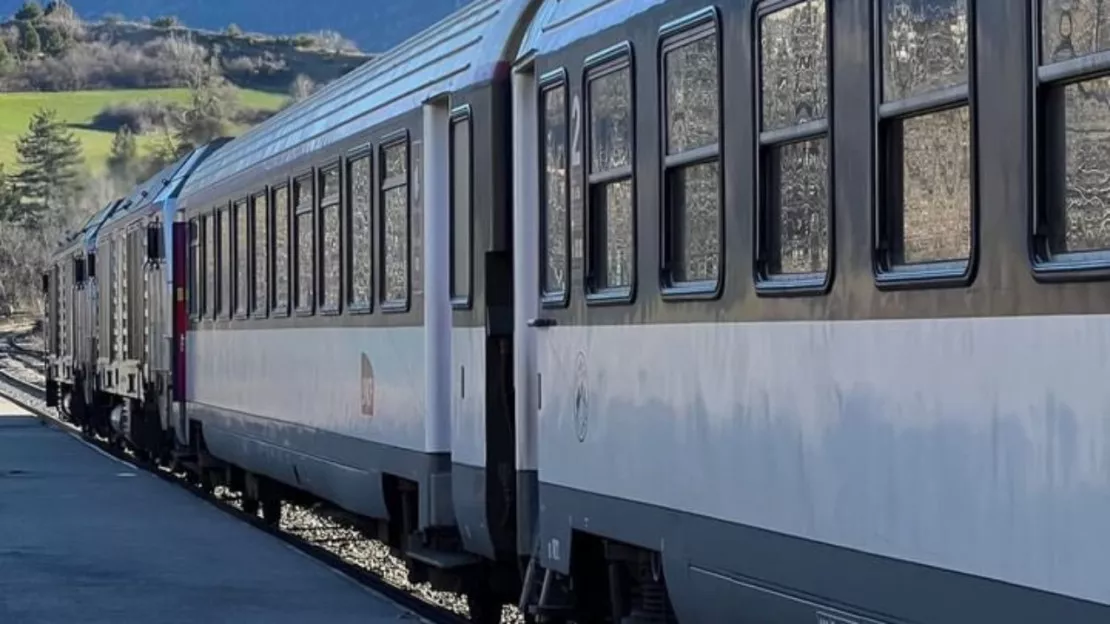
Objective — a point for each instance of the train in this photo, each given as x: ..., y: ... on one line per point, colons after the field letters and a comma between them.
x: 783, y: 311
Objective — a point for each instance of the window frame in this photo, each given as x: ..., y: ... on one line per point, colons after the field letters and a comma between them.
x: 235, y: 286
x: 1044, y: 217
x: 941, y: 274
x: 555, y: 79
x: 280, y: 309
x: 353, y: 156
x: 769, y: 284
x: 673, y: 36
x: 336, y: 201
x: 202, y: 284
x: 196, y: 259
x: 296, y: 211
x: 599, y: 65
x: 461, y: 114
x: 224, y: 308
x: 211, y: 296
x: 260, y: 310
x: 393, y: 139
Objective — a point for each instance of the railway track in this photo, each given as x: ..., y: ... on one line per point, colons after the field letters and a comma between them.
x: 304, y: 529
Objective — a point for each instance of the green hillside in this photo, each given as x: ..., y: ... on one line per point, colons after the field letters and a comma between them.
x: 79, y: 108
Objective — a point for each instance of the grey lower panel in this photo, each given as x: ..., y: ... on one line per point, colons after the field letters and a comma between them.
x: 468, y: 484
x: 344, y: 470
x: 488, y: 521
x: 722, y: 572
x: 527, y: 511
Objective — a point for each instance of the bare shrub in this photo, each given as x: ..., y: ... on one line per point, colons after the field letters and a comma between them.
x: 266, y: 64
x: 164, y: 62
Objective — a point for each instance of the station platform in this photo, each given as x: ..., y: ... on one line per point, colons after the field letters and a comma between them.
x: 87, y: 538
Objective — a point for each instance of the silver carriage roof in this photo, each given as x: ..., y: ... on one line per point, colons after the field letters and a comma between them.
x: 562, y: 22
x: 189, y: 164
x: 463, y: 49
x: 92, y: 227
x: 171, y: 178
x: 162, y: 185
x: 72, y: 241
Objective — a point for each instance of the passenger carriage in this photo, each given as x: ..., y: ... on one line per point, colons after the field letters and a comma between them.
x: 350, y: 332
x: 818, y: 334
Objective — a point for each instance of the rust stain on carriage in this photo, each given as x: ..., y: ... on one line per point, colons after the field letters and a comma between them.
x: 367, y: 386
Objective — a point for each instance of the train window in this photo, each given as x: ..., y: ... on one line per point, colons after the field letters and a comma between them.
x: 461, y: 215
x: 555, y: 189
x: 925, y: 210
x: 691, y: 167
x: 1072, y: 224
x: 303, y: 233
x: 261, y: 241
x: 395, y: 225
x: 330, y: 244
x: 610, y: 202
x: 242, y: 284
x: 210, y: 296
x: 280, y: 304
x: 360, y: 252
x: 225, y: 261
x: 194, y: 269
x: 793, y: 242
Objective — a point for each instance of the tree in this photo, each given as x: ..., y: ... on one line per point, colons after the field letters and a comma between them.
x: 9, y: 197
x: 212, y: 102
x: 124, y: 157
x: 29, y: 42
x: 29, y: 12
x: 163, y: 151
x: 57, y: 8
x: 61, y: 16
x: 50, y: 160
x: 302, y: 87
x: 7, y: 63
x: 54, y: 42
x: 167, y: 22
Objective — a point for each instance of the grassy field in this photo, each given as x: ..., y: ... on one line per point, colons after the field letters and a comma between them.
x: 80, y: 107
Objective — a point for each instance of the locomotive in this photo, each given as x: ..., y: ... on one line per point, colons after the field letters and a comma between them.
x: 648, y: 310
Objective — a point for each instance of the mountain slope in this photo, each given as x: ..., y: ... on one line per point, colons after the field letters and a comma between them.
x: 375, y: 25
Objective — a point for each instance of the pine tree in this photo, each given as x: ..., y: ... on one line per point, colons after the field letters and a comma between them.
x: 7, y: 63
x: 9, y: 198
x: 29, y: 12
x: 59, y: 8
x: 29, y: 42
x: 54, y: 41
x: 50, y: 162
x: 124, y: 157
